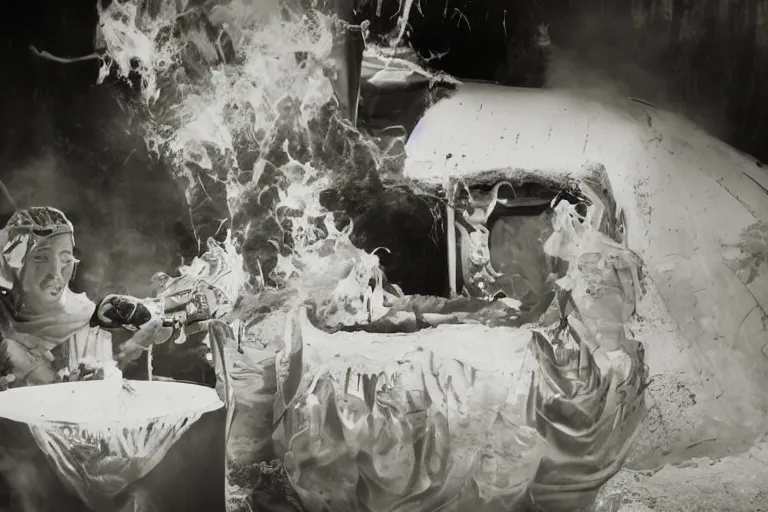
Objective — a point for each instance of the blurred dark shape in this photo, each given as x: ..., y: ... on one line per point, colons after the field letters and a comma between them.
x: 348, y: 52
x: 7, y: 206
x: 115, y: 311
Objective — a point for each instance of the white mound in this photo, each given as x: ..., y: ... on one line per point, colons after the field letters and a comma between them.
x: 106, y: 403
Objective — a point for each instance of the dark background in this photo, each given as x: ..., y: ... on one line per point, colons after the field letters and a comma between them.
x: 68, y: 143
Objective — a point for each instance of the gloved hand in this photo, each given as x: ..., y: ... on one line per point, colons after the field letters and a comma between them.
x: 121, y: 311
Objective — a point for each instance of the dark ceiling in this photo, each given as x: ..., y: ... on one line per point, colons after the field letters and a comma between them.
x: 704, y: 57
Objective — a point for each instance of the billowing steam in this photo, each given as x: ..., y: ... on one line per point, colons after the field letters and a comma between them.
x: 239, y: 94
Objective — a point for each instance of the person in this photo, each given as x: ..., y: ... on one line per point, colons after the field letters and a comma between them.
x: 603, y: 278
x: 50, y: 333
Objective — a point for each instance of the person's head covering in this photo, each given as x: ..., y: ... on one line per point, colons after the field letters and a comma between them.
x: 24, y: 230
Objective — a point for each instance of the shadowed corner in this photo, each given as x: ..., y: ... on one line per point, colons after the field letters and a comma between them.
x: 7, y: 205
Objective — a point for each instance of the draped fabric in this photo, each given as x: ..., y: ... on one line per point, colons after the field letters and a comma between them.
x: 71, y: 315
x: 37, y: 345
x: 392, y: 426
x: 424, y: 433
x: 99, y: 463
x: 588, y: 417
x: 429, y: 431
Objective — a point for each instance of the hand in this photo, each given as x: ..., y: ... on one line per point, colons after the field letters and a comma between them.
x: 197, y: 327
x: 150, y: 333
x: 121, y: 311
x: 86, y: 372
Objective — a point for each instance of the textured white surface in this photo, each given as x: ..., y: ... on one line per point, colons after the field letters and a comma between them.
x: 684, y: 194
x: 488, y: 127
x: 102, y: 403
x: 484, y: 348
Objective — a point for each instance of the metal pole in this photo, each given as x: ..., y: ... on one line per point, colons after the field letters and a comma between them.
x: 451, y: 232
x: 149, y: 362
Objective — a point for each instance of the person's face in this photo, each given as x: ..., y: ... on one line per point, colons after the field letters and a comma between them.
x: 47, y: 270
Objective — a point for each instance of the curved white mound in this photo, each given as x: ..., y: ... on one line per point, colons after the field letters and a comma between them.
x: 102, y: 403
x: 695, y: 210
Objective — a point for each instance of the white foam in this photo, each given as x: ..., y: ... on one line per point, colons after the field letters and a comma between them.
x: 101, y: 403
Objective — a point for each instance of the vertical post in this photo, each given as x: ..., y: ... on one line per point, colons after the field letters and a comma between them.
x: 347, y: 52
x: 149, y: 362
x: 451, y: 232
